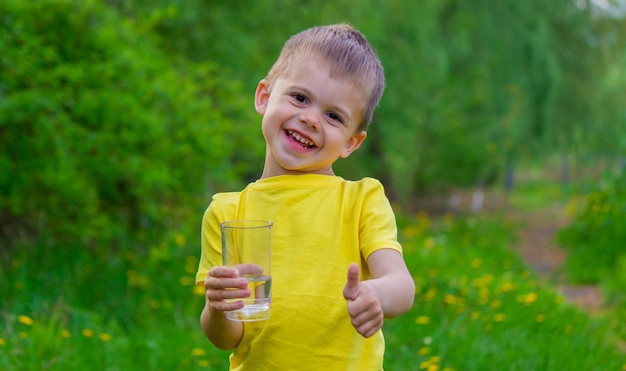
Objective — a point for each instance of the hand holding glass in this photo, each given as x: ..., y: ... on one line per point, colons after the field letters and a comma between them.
x: 247, y: 246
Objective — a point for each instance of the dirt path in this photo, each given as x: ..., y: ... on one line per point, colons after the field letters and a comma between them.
x: 537, y: 240
x: 538, y: 247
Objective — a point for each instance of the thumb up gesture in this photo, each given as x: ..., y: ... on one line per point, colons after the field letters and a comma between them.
x: 364, y: 308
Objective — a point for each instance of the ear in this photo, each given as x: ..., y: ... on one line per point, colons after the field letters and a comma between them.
x: 261, y: 97
x: 353, y: 143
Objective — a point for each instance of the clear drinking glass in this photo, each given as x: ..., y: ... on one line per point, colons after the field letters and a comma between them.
x: 247, y: 246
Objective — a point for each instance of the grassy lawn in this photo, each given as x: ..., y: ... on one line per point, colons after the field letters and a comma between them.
x: 477, y: 307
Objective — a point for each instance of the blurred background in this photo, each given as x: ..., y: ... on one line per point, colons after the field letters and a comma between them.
x: 119, y: 120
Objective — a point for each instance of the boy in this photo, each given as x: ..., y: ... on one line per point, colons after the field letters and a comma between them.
x: 337, y: 268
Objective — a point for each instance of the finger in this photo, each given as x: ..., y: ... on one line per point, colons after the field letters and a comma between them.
x: 226, y: 272
x: 215, y: 283
x: 225, y: 306
x: 220, y: 295
x: 369, y: 329
x: 248, y: 268
x: 361, y: 316
x: 224, y: 277
x: 351, y: 288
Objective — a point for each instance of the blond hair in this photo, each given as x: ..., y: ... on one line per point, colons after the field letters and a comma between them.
x: 347, y: 53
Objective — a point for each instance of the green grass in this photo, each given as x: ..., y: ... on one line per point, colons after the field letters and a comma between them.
x: 125, y: 311
x: 477, y: 308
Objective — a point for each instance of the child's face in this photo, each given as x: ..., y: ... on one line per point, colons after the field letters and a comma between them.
x: 309, y: 120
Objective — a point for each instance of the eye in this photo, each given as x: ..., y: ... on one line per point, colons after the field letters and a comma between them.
x: 335, y: 117
x: 299, y: 97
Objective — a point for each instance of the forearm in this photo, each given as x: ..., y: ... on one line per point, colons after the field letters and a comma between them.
x: 395, y: 292
x: 220, y: 331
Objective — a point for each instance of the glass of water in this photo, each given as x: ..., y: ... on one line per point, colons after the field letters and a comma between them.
x: 247, y: 246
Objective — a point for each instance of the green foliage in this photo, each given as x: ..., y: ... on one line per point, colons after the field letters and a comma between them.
x: 103, y: 137
x: 593, y: 238
x: 472, y: 87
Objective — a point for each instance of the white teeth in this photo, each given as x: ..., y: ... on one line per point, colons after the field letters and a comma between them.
x: 300, y: 139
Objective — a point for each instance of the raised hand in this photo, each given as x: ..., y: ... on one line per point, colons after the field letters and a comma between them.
x: 364, y: 306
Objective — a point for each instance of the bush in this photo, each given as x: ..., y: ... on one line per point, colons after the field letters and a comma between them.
x: 594, y: 237
x: 104, y: 138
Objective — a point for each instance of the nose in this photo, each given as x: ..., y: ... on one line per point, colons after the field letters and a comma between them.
x: 311, y: 119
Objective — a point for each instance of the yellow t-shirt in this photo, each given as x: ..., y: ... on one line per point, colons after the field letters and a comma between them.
x: 321, y: 224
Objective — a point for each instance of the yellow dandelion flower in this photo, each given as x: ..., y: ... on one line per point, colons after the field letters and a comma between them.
x: 136, y: 280
x: 423, y: 351
x: 450, y: 299
x: 104, y: 336
x: 476, y: 263
x: 87, y: 332
x: 198, y: 352
x: 475, y: 315
x: 499, y: 317
x: 203, y: 363
x: 483, y: 295
x: 180, y: 240
x: 410, y: 231
x: 508, y: 286
x: 496, y: 304
x: 530, y: 298
x: 434, y: 367
x: 26, y: 320
x: 199, y: 290
x: 540, y: 318
x: 430, y: 294
x: 429, y: 243
x: 435, y: 359
x: 422, y: 320
x: 2, y: 342
x: 23, y: 335
x: 66, y: 334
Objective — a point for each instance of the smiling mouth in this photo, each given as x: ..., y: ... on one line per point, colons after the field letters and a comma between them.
x: 300, y: 139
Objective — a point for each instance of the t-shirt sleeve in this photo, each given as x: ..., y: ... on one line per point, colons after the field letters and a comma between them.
x: 211, y: 250
x: 377, y: 228
x: 223, y: 207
